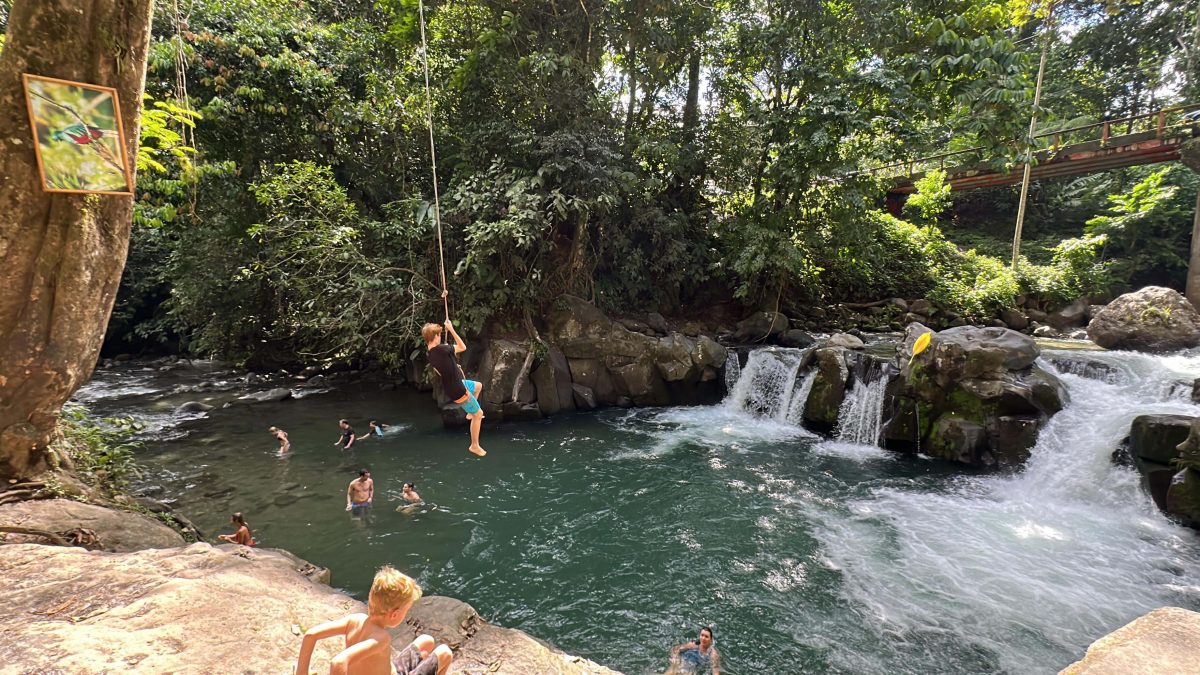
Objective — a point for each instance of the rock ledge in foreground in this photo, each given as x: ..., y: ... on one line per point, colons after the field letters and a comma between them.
x: 1164, y: 641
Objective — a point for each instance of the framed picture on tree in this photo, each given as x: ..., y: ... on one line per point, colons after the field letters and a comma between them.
x: 78, y: 136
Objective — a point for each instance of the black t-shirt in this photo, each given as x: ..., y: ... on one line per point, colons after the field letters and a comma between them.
x: 346, y: 434
x: 441, y: 358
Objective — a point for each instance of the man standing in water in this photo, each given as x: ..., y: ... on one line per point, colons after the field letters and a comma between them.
x: 347, y: 439
x: 360, y: 494
x: 697, y: 658
x: 462, y: 391
x: 282, y: 437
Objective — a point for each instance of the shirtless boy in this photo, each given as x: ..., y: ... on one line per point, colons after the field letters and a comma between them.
x: 361, y: 493
x: 462, y: 391
x: 369, y: 645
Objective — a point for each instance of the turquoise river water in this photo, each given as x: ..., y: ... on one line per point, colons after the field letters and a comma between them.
x: 614, y: 535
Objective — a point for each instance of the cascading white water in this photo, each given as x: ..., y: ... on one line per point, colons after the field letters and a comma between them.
x: 860, y: 418
x: 795, y: 414
x: 733, y: 370
x: 1051, y: 558
x: 766, y: 383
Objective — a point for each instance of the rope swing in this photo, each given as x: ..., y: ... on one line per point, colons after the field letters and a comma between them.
x: 437, y: 208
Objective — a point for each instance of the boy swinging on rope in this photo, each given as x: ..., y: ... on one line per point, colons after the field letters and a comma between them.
x: 462, y: 391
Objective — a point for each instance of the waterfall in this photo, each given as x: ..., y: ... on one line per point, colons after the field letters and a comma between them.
x: 860, y: 419
x: 733, y: 370
x: 765, y: 386
x: 795, y: 414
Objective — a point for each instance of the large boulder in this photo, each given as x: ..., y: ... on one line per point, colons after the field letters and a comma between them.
x: 174, y: 610
x: 1154, y: 319
x: 1165, y: 641
x: 674, y: 358
x: 760, y: 326
x: 552, y: 383
x: 828, y: 389
x: 1156, y: 438
x: 498, y: 372
x: 1073, y: 315
x: 114, y: 530
x: 974, y: 396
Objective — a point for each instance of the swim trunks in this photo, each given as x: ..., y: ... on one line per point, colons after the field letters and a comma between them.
x: 409, y: 662
x: 471, y: 405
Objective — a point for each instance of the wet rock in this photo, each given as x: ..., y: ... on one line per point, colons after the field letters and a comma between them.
x: 1196, y: 390
x: 760, y: 326
x: 1156, y: 438
x: 316, y: 381
x: 845, y: 340
x: 674, y: 358
x: 515, y: 411
x: 1014, y: 319
x: 115, y: 530
x: 193, y: 407
x: 592, y: 374
x: 639, y: 380
x: 829, y: 387
x: 985, y: 384
x: 709, y: 353
x: 452, y: 416
x: 1164, y: 641
x: 1183, y: 497
x: 269, y: 396
x: 585, y: 398
x: 1073, y: 315
x: 1153, y: 319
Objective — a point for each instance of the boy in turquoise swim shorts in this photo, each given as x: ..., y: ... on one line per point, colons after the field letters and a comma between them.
x: 462, y: 391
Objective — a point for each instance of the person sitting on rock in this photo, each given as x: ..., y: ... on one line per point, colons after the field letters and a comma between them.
x: 369, y: 644
x: 698, y: 658
x: 464, y: 392
x: 284, y: 443
x: 242, y: 536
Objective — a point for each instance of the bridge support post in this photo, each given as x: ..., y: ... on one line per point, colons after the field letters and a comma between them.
x: 1189, y: 152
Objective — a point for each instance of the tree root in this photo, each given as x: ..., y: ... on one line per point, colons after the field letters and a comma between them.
x: 78, y: 536
x: 45, y: 534
x: 534, y: 339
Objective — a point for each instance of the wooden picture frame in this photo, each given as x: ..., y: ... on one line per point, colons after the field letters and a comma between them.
x: 78, y: 136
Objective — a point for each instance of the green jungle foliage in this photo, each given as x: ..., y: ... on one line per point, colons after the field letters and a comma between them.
x: 643, y: 154
x: 100, y: 448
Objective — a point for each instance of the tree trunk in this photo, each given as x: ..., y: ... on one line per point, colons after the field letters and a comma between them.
x: 63, y: 253
x: 691, y: 109
x: 1192, y: 290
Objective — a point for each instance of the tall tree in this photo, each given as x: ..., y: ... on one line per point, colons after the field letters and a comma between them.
x: 63, y: 253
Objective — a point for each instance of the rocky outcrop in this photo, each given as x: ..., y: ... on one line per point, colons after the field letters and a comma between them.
x: 114, y: 530
x: 193, y: 609
x: 828, y: 389
x: 759, y: 326
x: 1165, y: 450
x: 1154, y: 319
x: 974, y: 396
x: 1166, y: 640
x: 589, y: 361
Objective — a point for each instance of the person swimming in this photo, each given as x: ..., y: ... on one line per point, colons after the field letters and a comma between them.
x: 284, y: 444
x: 377, y: 428
x: 699, y: 658
x: 410, y: 494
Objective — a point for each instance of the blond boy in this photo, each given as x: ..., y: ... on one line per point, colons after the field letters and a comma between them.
x: 369, y: 645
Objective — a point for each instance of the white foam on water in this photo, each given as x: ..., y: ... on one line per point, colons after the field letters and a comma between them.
x: 1030, y: 567
x: 795, y: 414
x: 765, y: 385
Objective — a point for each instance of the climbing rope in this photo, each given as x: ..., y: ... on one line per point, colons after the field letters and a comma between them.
x: 437, y: 208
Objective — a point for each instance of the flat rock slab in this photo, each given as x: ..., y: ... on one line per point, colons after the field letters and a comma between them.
x: 201, y: 609
x: 1163, y: 642
x: 117, y: 530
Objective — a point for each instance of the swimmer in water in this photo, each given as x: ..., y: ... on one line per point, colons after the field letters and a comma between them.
x: 242, y: 536
x: 284, y: 444
x: 377, y: 428
x: 697, y: 658
x: 360, y: 494
x: 410, y: 494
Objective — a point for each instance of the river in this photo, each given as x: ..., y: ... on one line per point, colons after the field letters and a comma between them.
x: 615, y: 534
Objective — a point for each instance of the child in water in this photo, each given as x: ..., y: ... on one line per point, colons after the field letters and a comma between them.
x: 377, y: 428
x: 369, y: 644
x: 284, y: 444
